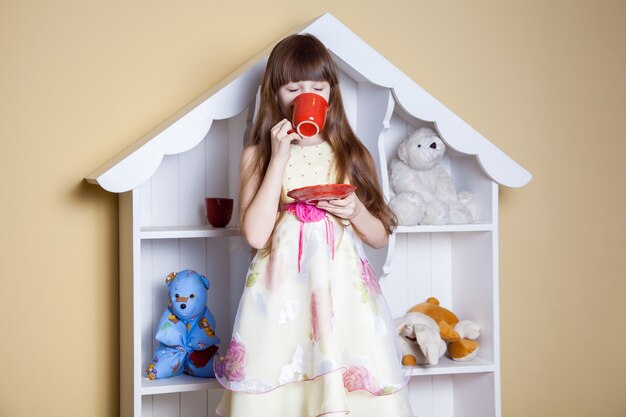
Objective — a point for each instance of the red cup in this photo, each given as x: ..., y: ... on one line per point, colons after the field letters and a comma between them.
x: 309, y: 114
x: 218, y: 211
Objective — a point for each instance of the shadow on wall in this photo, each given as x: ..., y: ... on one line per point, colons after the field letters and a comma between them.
x: 104, y: 242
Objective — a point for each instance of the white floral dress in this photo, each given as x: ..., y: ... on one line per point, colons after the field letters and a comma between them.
x: 313, y: 335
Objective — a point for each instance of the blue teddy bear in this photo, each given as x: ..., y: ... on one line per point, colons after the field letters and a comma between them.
x: 186, y: 330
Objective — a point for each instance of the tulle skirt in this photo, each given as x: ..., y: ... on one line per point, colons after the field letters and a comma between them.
x: 313, y: 334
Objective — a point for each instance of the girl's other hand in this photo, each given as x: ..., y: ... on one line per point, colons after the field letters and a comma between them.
x: 346, y: 208
x: 281, y: 139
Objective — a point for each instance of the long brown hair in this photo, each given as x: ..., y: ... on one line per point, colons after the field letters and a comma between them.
x: 302, y: 58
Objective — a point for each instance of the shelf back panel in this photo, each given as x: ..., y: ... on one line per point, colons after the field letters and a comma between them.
x: 174, y: 195
x: 456, y: 268
x: 209, y: 257
x: 453, y: 395
x: 184, y: 404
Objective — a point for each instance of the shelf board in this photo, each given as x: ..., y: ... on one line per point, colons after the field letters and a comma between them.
x: 180, y: 383
x: 187, y: 383
x: 204, y: 231
x: 449, y: 367
x: 474, y: 227
x: 182, y: 232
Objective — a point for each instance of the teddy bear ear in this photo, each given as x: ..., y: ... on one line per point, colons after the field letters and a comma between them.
x: 433, y: 300
x: 205, y: 281
x: 402, y: 152
x: 170, y: 278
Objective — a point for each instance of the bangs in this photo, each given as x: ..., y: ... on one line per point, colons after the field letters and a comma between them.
x: 301, y: 58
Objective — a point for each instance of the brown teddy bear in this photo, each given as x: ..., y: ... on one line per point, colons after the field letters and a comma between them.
x: 459, y: 335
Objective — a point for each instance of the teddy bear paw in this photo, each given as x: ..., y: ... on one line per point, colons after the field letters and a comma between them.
x: 467, y: 329
x: 408, y: 208
x: 464, y: 350
x: 436, y: 213
x: 460, y: 215
x: 409, y: 360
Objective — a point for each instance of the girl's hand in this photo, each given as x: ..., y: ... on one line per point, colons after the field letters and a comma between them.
x: 346, y: 208
x: 281, y: 139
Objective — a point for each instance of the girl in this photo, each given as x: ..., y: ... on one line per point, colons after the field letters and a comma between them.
x: 312, y: 335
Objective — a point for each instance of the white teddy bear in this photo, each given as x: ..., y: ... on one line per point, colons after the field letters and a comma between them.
x: 424, y: 192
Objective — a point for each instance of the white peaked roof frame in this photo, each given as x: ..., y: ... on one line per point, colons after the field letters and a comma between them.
x: 186, y: 128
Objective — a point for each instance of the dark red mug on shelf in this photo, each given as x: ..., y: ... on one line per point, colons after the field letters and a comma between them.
x: 309, y: 114
x: 218, y: 211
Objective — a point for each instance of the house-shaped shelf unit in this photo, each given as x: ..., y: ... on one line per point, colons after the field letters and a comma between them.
x: 163, y: 179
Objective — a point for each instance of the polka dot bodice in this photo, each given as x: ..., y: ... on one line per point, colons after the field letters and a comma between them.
x: 309, y: 165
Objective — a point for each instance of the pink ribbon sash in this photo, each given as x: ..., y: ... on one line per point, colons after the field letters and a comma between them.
x: 309, y: 213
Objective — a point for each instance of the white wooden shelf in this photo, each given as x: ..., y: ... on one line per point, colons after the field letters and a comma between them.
x: 182, y: 232
x: 180, y: 383
x: 164, y: 178
x: 187, y: 383
x: 206, y: 231
x: 449, y: 367
x: 450, y: 228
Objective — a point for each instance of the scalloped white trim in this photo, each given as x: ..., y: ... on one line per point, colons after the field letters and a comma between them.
x: 188, y: 127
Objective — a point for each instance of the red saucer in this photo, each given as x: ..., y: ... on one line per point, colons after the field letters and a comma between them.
x: 321, y: 192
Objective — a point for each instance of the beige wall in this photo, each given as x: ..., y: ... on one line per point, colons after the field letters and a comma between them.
x: 543, y: 80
